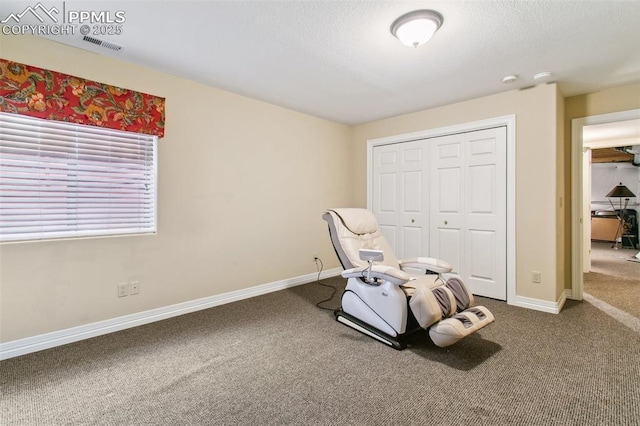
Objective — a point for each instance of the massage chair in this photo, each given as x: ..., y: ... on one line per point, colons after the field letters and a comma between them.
x: 389, y: 299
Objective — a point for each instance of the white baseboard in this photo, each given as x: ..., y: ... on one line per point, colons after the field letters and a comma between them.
x: 74, y: 334
x: 541, y: 305
x: 568, y: 294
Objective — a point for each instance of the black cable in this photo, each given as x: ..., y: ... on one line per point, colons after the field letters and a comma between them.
x: 333, y: 292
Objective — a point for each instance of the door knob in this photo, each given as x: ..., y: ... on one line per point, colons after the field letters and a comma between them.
x: 413, y: 220
x: 446, y: 223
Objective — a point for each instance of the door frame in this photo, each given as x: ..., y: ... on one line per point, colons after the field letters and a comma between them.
x: 578, y: 222
x: 508, y: 121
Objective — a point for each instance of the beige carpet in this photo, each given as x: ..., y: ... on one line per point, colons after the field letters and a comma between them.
x: 613, y: 279
x: 618, y: 292
x: 277, y: 360
x: 608, y: 261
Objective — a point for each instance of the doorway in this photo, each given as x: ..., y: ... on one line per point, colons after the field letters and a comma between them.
x: 581, y: 178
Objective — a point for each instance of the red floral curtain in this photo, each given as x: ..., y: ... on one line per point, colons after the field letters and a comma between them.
x: 47, y: 94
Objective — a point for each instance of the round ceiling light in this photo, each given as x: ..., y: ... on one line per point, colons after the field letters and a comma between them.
x: 417, y: 27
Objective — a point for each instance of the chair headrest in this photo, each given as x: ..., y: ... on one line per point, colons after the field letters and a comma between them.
x: 358, y: 221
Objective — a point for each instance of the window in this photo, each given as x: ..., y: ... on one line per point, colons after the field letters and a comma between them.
x: 62, y: 180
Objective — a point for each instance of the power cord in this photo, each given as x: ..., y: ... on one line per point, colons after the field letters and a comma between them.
x: 333, y: 292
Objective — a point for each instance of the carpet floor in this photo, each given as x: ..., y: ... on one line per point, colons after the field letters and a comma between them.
x: 618, y: 292
x: 608, y: 261
x: 279, y: 360
x: 613, y: 279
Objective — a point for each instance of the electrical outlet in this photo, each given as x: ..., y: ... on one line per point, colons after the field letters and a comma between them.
x: 123, y: 289
x: 134, y: 287
x: 535, y: 276
x: 315, y: 257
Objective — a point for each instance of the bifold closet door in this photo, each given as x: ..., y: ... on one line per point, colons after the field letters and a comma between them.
x: 468, y: 193
x: 400, y: 195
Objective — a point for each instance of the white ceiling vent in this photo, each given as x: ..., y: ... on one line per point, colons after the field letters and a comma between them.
x: 102, y: 43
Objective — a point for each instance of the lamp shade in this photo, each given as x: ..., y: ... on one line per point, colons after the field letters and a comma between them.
x: 417, y: 27
x: 620, y: 191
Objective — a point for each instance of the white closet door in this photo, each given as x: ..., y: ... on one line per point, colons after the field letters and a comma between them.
x: 447, y: 199
x: 400, y: 193
x: 468, y: 207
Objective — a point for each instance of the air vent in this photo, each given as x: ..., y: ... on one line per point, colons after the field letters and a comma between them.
x: 102, y: 43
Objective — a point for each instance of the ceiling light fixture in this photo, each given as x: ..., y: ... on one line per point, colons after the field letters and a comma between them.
x: 417, y: 27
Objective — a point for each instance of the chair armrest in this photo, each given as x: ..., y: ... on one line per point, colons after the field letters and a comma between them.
x: 382, y: 272
x: 427, y: 263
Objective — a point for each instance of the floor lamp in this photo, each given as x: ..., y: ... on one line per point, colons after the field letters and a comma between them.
x: 620, y: 192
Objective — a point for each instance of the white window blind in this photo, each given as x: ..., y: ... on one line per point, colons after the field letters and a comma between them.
x: 61, y: 180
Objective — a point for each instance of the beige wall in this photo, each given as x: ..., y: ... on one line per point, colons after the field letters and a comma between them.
x: 536, y: 111
x: 242, y: 185
x: 616, y: 99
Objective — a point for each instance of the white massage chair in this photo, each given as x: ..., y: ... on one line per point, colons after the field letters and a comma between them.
x: 384, y: 300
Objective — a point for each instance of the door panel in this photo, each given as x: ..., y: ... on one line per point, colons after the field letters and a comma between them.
x: 448, y: 247
x: 388, y: 158
x: 389, y: 232
x: 449, y: 149
x: 446, y: 201
x: 413, y: 218
x: 468, y: 199
x: 399, y: 195
x: 486, y: 214
x: 388, y: 195
x: 481, y: 255
x: 449, y: 200
x: 412, y: 185
x: 385, y: 191
x: 413, y: 241
x: 482, y: 196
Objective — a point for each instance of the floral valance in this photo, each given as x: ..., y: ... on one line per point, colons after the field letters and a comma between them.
x: 51, y: 95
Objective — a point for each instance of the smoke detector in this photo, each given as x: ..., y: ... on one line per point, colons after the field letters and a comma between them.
x: 545, y: 75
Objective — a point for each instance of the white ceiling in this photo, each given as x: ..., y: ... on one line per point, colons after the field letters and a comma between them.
x: 338, y: 59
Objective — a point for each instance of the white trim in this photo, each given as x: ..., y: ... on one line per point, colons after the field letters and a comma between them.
x: 510, y: 122
x: 612, y: 143
x: 74, y: 334
x: 577, y: 283
x: 541, y: 305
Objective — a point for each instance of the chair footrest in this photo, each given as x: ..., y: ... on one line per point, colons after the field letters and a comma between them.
x: 450, y: 330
